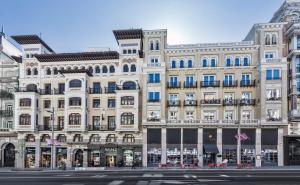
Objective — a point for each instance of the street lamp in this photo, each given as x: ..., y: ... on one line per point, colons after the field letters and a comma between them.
x: 239, y: 133
x: 52, y: 136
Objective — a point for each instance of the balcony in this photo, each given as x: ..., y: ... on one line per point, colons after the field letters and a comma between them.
x: 247, y: 83
x: 46, y: 92
x: 58, y: 91
x: 210, y: 84
x: 273, y: 98
x: 233, y: 83
x: 110, y: 90
x: 98, y: 127
x: 190, y: 84
x: 190, y: 103
x: 6, y: 95
x: 95, y: 90
x: 153, y: 119
x: 173, y: 103
x: 173, y: 85
x: 127, y: 87
x: 230, y: 102
x: 272, y: 60
x: 24, y: 89
x: 153, y: 100
x: 210, y: 101
x: 294, y: 114
x: 247, y: 102
x: 49, y: 128
x: 154, y: 65
x: 6, y: 113
x: 273, y: 78
x: 274, y: 119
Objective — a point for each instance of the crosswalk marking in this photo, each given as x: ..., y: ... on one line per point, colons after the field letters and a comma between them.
x: 224, y: 175
x: 152, y: 175
x: 115, y: 183
x: 99, y: 176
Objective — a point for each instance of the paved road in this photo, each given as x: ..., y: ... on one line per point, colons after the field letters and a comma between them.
x: 136, y: 177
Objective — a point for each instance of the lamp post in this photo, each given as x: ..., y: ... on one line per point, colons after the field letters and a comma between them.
x: 52, y: 137
x: 239, y: 133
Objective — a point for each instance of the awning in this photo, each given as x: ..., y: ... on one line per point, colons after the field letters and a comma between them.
x: 210, y: 148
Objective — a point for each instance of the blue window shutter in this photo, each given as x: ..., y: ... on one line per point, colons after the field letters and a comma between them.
x: 269, y: 74
x: 181, y: 64
x: 204, y: 63
x: 173, y: 64
x: 156, y: 95
x: 276, y: 74
x: 213, y: 62
x: 237, y: 62
x: 246, y: 61
x: 228, y: 62
x: 190, y: 63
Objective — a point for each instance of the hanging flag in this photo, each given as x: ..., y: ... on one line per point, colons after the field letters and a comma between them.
x: 242, y: 137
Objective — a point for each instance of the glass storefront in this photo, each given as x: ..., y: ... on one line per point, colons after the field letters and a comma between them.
x: 269, y: 153
x: 248, y: 153
x: 61, y: 157
x: 229, y: 148
x: 78, y: 158
x: 30, y: 157
x: 173, y: 156
x: 128, y: 157
x: 292, y: 150
x: 173, y: 147
x: 111, y: 157
x: 190, y: 152
x: 94, y: 158
x: 153, y: 147
x: 210, y: 149
x: 45, y: 157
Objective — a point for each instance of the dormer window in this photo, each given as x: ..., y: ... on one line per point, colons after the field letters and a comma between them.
x: 75, y: 84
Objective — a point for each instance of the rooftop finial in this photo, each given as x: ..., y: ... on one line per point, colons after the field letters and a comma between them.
x: 40, y: 34
x: 2, y: 30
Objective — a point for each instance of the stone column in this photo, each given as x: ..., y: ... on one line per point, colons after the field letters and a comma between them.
x: 145, y: 148
x: 163, y: 145
x: 219, y: 140
x: 85, y: 158
x: 258, y: 147
x: 181, y: 146
x: 200, y: 147
x: 38, y: 154
x: 69, y: 157
x: 280, y: 147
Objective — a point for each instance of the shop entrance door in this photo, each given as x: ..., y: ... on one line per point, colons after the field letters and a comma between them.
x: 9, y: 155
x: 111, y: 160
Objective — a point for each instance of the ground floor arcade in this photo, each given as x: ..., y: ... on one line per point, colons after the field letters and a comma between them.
x: 203, y: 146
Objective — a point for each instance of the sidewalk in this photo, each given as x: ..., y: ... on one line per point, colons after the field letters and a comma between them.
x: 115, y: 169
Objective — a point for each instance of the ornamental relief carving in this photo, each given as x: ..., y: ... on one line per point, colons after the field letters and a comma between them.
x: 31, y: 64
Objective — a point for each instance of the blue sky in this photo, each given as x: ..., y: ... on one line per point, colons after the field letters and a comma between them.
x: 73, y: 25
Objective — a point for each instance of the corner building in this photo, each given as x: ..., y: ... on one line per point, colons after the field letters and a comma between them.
x: 154, y: 104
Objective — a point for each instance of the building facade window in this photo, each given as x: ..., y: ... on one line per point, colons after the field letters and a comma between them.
x: 213, y: 62
x: 111, y: 103
x: 112, y: 69
x: 181, y: 64
x: 204, y: 63
x: 273, y: 74
x: 153, y: 96
x: 47, y: 104
x: 190, y: 64
x: 246, y: 61
x: 173, y: 64
x: 75, y: 84
x: 127, y: 119
x: 74, y: 119
x: 75, y: 101
x: 25, y: 102
x: 61, y: 104
x: 25, y: 119
x: 96, y: 103
x: 125, y: 68
x: 128, y: 138
x: 132, y: 68
x: 154, y: 78
x: 127, y: 100
x: 237, y: 61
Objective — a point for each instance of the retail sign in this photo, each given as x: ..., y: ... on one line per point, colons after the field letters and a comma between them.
x: 110, y: 150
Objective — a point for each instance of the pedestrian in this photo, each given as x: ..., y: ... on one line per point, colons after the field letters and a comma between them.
x: 133, y: 165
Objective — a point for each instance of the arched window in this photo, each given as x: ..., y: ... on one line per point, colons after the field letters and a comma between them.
x: 97, y: 69
x: 45, y: 137
x: 75, y: 83
x: 75, y: 68
x: 246, y: 61
x: 181, y: 64
x: 274, y: 39
x: 68, y: 68
x: 25, y: 119
x: 111, y: 138
x: 173, y: 65
x: 30, y: 138
x: 75, y: 101
x: 82, y: 68
x: 128, y: 138
x: 95, y: 138
x: 267, y: 40
x: 213, y: 62
x: 127, y: 118
x: 237, y: 62
x: 204, y: 63
x: 55, y: 71
x: 132, y: 68
x: 28, y: 71
x: 112, y: 69
x: 157, y: 45
x: 190, y: 63
x: 78, y: 138
x: 104, y: 69
x: 129, y: 85
x: 61, y: 138
x: 228, y: 62
x: 90, y: 69
x: 74, y: 119
x: 151, y: 45
x: 48, y: 71
x: 31, y: 88
x: 35, y: 71
x: 125, y: 68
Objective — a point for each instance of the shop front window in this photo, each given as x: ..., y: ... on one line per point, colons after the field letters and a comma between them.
x: 61, y: 157
x: 30, y: 157
x: 46, y: 157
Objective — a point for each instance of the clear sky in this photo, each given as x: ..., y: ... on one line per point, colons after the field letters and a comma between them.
x: 73, y: 25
